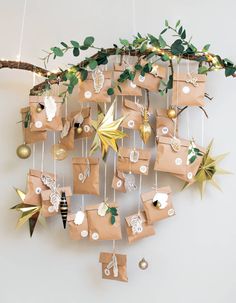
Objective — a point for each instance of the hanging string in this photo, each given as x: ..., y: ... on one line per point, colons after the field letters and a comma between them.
x: 54, y: 159
x: 122, y: 128
x: 177, y: 90
x: 168, y: 93
x: 203, y: 128
x: 114, y: 164
x: 42, y: 157
x: 187, y: 111
x: 22, y: 32
x: 105, y: 166
x: 33, y: 164
x: 140, y: 187
x: 134, y: 133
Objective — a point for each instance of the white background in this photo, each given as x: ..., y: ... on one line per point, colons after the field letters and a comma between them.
x: 192, y: 257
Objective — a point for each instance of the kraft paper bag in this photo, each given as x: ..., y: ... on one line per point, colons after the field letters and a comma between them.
x: 135, y: 161
x: 137, y: 227
x: 133, y: 113
x: 113, y: 266
x: 164, y: 125
x: 128, y: 87
x: 164, y: 208
x: 100, y: 227
x: 95, y: 87
x: 86, y: 175
x: 188, y: 89
x: 50, y: 116
x: 29, y: 136
x: 68, y: 135
x: 45, y: 194
x: 35, y: 186
x: 150, y: 81
x: 118, y: 182
x: 77, y: 231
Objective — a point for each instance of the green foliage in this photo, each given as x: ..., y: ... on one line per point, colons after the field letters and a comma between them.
x: 113, y: 211
x: 110, y: 91
x: 57, y: 51
x: 177, y: 47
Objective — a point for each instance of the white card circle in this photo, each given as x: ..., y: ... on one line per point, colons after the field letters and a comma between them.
x: 171, y: 212
x: 87, y: 94
x: 38, y: 124
x: 84, y: 233
x: 186, y: 90
x: 95, y: 236
x: 132, y: 84
x: 119, y: 183
x: 38, y: 190
x: 189, y: 175
x: 143, y: 169
x: 178, y: 161
x: 86, y: 128
x: 79, y: 217
x: 141, y: 78
x: 131, y: 123
x: 165, y: 130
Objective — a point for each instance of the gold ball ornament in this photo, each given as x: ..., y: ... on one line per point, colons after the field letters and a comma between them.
x: 59, y: 152
x: 38, y: 109
x: 23, y: 151
x: 171, y: 113
x: 143, y: 264
x: 79, y: 130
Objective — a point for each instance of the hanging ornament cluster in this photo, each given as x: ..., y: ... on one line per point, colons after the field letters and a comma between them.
x: 126, y: 87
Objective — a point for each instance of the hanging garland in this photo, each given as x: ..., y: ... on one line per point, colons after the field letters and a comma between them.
x: 182, y: 158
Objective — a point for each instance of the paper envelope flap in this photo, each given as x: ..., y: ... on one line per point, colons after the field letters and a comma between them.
x: 96, y: 206
x: 105, y: 258
x: 149, y: 195
x: 142, y: 215
x: 83, y: 160
x: 132, y: 105
x: 167, y: 140
x: 107, y: 75
x: 184, y: 77
x: 144, y: 154
x: 40, y: 99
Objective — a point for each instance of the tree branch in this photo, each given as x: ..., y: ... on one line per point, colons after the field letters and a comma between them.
x: 23, y: 66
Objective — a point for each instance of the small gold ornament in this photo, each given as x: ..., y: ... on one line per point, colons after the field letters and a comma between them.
x: 171, y: 113
x: 145, y: 128
x: 143, y: 264
x: 59, y: 152
x: 38, y: 109
x: 23, y: 151
x: 79, y: 130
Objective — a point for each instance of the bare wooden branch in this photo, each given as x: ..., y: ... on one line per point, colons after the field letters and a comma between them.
x: 23, y: 66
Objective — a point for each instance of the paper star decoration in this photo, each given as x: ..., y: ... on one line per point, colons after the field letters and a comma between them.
x: 106, y: 131
x: 208, y: 169
x: 28, y: 212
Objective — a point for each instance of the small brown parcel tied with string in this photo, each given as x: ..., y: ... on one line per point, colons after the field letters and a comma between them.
x: 95, y: 87
x: 127, y: 87
x: 113, y: 266
x: 77, y: 126
x: 45, y: 113
x: 135, y: 160
x: 86, y: 175
x: 165, y: 126
x: 46, y: 201
x: 138, y: 228
x: 78, y: 225
x: 29, y: 136
x: 133, y: 113
x: 118, y: 182
x: 188, y: 89
x: 35, y: 186
x: 101, y: 226
x: 151, y: 80
x: 158, y: 204
x: 174, y: 156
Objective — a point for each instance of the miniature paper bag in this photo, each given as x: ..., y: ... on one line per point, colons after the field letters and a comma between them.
x: 77, y: 231
x: 164, y: 125
x: 137, y: 227
x: 100, y: 227
x: 86, y: 175
x: 128, y: 88
x: 135, y: 161
x: 35, y: 186
x: 45, y: 194
x: 113, y: 266
x: 118, y: 182
x: 50, y: 116
x: 133, y: 114
x: 29, y: 136
x: 163, y: 209
x: 188, y: 89
x: 150, y: 81
x: 95, y: 87
x: 86, y: 124
x: 68, y: 135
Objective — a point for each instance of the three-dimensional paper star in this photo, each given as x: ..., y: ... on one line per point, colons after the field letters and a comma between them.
x: 28, y: 212
x: 106, y: 131
x: 208, y: 169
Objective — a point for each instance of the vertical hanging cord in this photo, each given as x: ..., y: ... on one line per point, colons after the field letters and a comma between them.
x: 167, y: 94
x: 176, y: 119
x: 140, y: 187
x: 114, y: 164
x: 22, y: 33
x: 122, y: 128
x: 54, y: 159
x: 42, y: 157
x: 33, y: 145
x: 134, y: 137
x: 187, y: 111
x: 203, y: 129
x: 105, y: 166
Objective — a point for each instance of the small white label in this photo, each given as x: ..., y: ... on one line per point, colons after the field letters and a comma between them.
x: 143, y: 169
x: 38, y: 124
x: 81, y: 177
x: 131, y: 123
x: 165, y: 130
x: 95, y: 236
x: 132, y: 84
x: 119, y: 183
x: 178, y: 161
x: 171, y: 212
x: 84, y: 233
x: 87, y: 94
x: 189, y: 175
x: 86, y: 128
x: 186, y: 90
x: 38, y: 190
x: 141, y: 78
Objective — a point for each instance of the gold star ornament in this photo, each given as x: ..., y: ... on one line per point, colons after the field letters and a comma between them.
x: 106, y: 131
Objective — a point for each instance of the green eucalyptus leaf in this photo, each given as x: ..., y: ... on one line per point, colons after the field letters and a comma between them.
x: 93, y: 64
x: 202, y: 70
x: 229, y: 71
x: 165, y: 57
x: 177, y: 24
x: 57, y: 51
x: 177, y: 48
x: 162, y: 42
x: 83, y: 74
x: 138, y: 67
x: 124, y: 42
x: 110, y: 91
x: 88, y: 41
x: 206, y: 48
x: 74, y: 43
x: 64, y: 44
x: 76, y: 51
x: 183, y: 35
x: 113, y: 219
x: 166, y: 23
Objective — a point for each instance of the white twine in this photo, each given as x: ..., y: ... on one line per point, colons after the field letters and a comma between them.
x: 33, y: 164
x: 22, y: 32
x: 54, y: 159
x: 140, y: 187
x: 114, y: 160
x: 122, y: 128
x: 105, y: 166
x: 203, y: 128
x: 42, y: 157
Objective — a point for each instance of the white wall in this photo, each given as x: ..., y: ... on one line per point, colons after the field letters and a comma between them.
x: 192, y: 257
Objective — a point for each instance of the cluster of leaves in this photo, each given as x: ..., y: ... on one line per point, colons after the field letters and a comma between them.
x: 193, y: 152
x: 113, y: 211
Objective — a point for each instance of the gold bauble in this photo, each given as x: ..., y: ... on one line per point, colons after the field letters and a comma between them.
x: 38, y: 109
x: 23, y: 151
x: 79, y: 130
x: 171, y: 113
x: 59, y: 152
x: 143, y: 264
